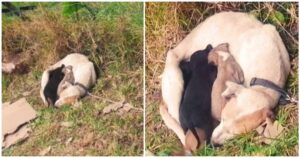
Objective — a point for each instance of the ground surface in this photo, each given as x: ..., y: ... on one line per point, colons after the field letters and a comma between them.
x: 167, y: 24
x: 113, y: 39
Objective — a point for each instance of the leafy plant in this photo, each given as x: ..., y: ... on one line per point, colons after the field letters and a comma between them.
x: 72, y: 8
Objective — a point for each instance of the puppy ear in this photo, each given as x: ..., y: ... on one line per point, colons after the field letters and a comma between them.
x: 213, y: 58
x: 209, y: 47
x: 224, y: 47
x: 238, y: 76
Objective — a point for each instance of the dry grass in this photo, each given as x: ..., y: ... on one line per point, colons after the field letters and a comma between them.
x: 114, y: 41
x: 168, y: 23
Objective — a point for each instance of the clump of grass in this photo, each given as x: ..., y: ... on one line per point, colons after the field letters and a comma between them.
x: 168, y: 23
x: 114, y: 42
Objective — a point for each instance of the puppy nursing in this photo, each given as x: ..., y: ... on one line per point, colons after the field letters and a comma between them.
x: 67, y: 80
x: 252, y: 43
x: 195, y: 111
x: 228, y: 70
x: 203, y: 87
x: 79, y: 70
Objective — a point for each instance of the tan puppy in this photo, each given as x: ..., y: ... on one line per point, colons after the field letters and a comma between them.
x: 259, y: 51
x: 68, y: 79
x: 228, y: 70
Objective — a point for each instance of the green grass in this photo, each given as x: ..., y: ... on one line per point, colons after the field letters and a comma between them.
x: 114, y: 41
x: 167, y: 24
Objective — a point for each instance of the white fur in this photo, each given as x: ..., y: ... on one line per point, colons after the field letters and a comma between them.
x: 172, y: 85
x: 172, y: 123
x: 84, y: 73
x: 224, y: 55
x: 258, y: 49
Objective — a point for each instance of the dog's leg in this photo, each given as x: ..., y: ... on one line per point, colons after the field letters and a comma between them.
x: 172, y: 85
x: 44, y: 81
x: 172, y: 123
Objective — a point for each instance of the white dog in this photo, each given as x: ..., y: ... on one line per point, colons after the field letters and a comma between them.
x: 260, y: 53
x: 84, y: 78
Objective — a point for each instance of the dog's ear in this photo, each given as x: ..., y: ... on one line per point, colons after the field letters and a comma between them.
x: 213, y: 58
x: 224, y: 47
x: 269, y: 114
x: 209, y: 47
x: 238, y: 76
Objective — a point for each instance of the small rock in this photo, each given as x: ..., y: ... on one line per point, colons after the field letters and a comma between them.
x: 77, y: 104
x: 88, y: 139
x: 25, y: 94
x: 45, y: 151
x: 149, y: 153
x: 69, y: 141
x: 127, y: 107
x: 66, y: 124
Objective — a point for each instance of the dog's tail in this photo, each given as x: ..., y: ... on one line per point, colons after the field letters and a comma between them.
x: 97, y: 69
x: 171, y: 123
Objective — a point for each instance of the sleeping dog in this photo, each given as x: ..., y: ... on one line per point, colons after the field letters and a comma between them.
x: 84, y: 78
x: 195, y: 109
x: 257, y: 48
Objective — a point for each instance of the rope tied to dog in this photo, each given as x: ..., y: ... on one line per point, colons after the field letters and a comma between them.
x: 285, y: 97
x: 86, y: 92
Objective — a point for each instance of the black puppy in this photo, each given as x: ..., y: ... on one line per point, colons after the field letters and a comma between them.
x: 195, y: 108
x: 50, y: 91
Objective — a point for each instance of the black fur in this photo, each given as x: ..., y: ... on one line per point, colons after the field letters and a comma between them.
x: 186, y: 72
x: 195, y: 108
x: 50, y: 91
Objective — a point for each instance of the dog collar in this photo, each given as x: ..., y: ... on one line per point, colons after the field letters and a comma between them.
x: 82, y: 86
x: 285, y: 97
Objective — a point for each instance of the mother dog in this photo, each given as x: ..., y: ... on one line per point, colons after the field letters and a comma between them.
x: 84, y: 78
x: 259, y: 51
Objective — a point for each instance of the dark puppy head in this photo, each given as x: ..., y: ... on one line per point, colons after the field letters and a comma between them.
x: 50, y: 91
x: 200, y: 56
